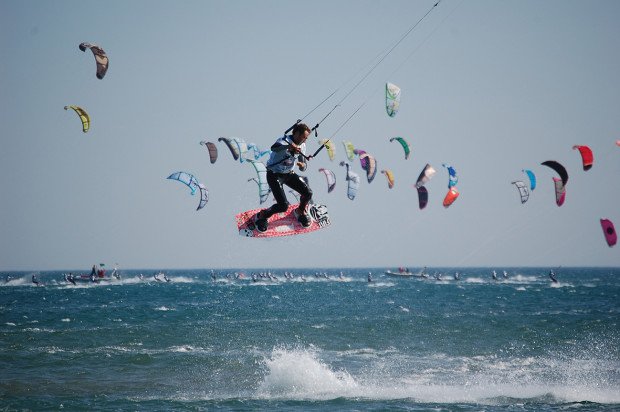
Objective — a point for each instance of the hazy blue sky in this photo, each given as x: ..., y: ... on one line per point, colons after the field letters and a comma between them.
x: 490, y: 87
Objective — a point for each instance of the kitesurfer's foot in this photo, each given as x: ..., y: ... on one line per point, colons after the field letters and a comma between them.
x: 261, y: 222
x: 303, y: 218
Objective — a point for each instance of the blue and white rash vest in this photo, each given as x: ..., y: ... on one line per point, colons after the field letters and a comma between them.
x: 281, y: 160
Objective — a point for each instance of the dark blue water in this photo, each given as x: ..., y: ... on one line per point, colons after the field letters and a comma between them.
x: 518, y: 343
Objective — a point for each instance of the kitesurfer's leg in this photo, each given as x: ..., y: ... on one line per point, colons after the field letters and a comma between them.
x: 299, y: 185
x: 281, y: 203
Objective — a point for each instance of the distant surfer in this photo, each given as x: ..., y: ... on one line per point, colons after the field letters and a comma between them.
x: 369, y: 278
x: 35, y: 280
x: 69, y: 278
x: 457, y: 276
x: 494, y: 275
x: 280, y: 172
x: 552, y: 276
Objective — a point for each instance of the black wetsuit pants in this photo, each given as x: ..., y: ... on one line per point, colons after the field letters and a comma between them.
x: 292, y: 180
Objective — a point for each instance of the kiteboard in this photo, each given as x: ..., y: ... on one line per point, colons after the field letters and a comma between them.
x: 283, y: 224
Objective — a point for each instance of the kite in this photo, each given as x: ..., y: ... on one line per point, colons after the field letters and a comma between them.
x: 258, y: 153
x: 425, y: 175
x: 331, y: 150
x: 331, y: 179
x: 532, y: 178
x: 390, y: 177
x: 452, y: 177
x: 349, y: 150
x: 523, y: 191
x: 587, y: 158
x: 422, y: 196
x: 609, y: 231
x: 392, y: 99
x: 354, y: 181
x: 238, y: 148
x: 261, y: 180
x: 242, y: 148
x: 100, y: 58
x: 404, y: 144
x: 84, y: 117
x: 212, y: 150
x: 371, y: 166
x: 363, y: 160
x: 560, y: 191
x: 204, y: 196
x: 561, y: 170
x: 234, y: 150
x: 187, y: 178
x: 450, y: 197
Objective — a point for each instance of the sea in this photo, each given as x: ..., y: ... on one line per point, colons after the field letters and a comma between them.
x: 312, y: 339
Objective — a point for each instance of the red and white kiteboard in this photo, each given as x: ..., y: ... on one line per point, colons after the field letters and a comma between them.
x: 283, y: 224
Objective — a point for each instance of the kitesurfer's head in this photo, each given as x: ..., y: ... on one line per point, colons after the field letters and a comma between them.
x: 301, y: 131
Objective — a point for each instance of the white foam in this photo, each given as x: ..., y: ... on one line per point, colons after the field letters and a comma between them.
x: 300, y: 374
x: 485, y: 379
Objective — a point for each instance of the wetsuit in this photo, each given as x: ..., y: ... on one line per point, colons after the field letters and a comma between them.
x: 280, y: 172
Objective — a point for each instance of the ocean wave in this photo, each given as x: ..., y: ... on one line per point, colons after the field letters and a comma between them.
x: 305, y: 374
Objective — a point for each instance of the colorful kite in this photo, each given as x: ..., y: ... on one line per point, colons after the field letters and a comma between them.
x: 212, y: 150
x: 392, y: 99
x: 609, y: 231
x: 84, y: 117
x: 404, y: 144
x: 390, y: 177
x: 587, y: 158
x: 100, y: 58
x: 354, y: 181
x: 331, y: 179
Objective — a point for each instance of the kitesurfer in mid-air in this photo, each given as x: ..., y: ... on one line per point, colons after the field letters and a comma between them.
x: 287, y: 152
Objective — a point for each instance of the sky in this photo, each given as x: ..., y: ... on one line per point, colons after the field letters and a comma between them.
x: 490, y: 87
